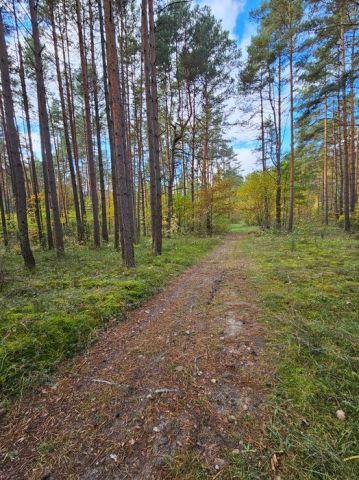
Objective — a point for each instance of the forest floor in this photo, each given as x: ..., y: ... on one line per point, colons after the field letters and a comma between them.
x: 235, y: 371
x: 162, y: 395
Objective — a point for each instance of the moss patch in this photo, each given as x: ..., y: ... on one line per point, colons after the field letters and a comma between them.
x: 52, y: 313
x: 309, y: 285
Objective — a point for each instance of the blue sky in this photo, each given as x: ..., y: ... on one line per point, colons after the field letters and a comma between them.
x: 235, y: 18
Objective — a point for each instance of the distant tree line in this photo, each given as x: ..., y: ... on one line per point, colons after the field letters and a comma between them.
x: 302, y: 74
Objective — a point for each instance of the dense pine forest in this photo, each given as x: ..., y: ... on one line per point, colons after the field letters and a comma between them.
x: 127, y: 137
x: 179, y: 268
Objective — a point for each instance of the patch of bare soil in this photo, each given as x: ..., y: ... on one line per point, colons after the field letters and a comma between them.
x: 179, y: 375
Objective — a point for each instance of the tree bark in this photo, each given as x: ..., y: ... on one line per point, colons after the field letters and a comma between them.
x: 44, y: 129
x: 88, y: 129
x: 5, y: 234
x: 352, y: 127
x: 346, y: 198
x: 149, y: 56
x: 34, y: 181
x: 119, y: 130
x: 104, y: 230
x: 291, y: 160
x: 79, y: 225
x: 325, y: 166
x: 14, y: 153
x: 115, y: 193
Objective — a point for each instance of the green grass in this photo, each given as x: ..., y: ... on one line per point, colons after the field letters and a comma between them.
x: 242, y: 228
x: 52, y: 313
x: 309, y: 293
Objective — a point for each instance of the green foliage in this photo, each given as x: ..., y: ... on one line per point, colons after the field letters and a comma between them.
x: 215, y: 203
x: 309, y: 286
x: 257, y: 189
x: 48, y: 315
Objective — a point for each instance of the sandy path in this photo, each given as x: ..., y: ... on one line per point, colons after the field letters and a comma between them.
x: 176, y: 377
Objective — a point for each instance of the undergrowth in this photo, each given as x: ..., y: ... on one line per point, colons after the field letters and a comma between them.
x: 52, y: 313
x: 309, y: 293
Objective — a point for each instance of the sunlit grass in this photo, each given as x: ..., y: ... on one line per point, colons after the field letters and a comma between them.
x: 309, y: 293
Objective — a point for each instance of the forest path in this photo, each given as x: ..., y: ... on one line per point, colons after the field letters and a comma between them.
x: 178, y: 377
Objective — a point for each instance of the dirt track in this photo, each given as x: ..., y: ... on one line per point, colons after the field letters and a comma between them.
x: 177, y: 377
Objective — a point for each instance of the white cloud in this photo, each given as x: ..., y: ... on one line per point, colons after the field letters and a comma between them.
x: 247, y: 159
x: 250, y: 30
x: 227, y: 11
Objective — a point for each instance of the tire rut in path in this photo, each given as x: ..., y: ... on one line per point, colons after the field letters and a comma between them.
x: 178, y: 376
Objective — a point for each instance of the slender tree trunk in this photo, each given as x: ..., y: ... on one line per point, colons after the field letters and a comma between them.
x: 79, y: 225
x: 352, y: 127
x: 291, y: 160
x: 193, y: 158
x: 278, y: 196
x: 104, y: 230
x: 14, y: 153
x: 115, y: 193
x: 157, y: 241
x: 35, y: 185
x: 345, y: 134
x: 117, y: 114
x: 44, y: 129
x: 124, y: 74
x: 141, y: 213
x: 149, y: 56
x: 340, y: 153
x: 3, y: 169
x: 205, y: 169
x: 171, y: 177
x: 325, y: 166
x: 88, y: 128
x: 5, y: 234
x: 335, y: 167
x: 265, y: 222
x: 72, y: 115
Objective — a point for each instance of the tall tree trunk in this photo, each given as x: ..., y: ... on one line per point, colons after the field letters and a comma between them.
x: 265, y: 222
x: 205, y: 167
x: 138, y: 110
x: 34, y: 181
x: 119, y: 130
x: 291, y: 160
x: 44, y: 128
x: 88, y: 129
x: 71, y: 113
x: 193, y: 158
x: 126, y: 111
x: 352, y: 126
x: 171, y: 177
x: 14, y: 153
x: 149, y: 58
x: 340, y: 153
x: 115, y: 193
x: 346, y: 197
x: 79, y: 225
x: 335, y: 165
x: 278, y: 196
x: 5, y: 234
x: 325, y: 166
x: 104, y: 230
